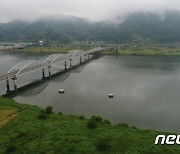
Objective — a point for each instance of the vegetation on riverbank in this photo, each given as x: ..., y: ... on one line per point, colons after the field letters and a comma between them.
x: 150, y: 51
x: 34, y: 130
x: 144, y: 51
x: 51, y: 49
x: 125, y: 51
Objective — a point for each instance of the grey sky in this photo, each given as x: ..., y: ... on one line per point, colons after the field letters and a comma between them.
x: 91, y: 9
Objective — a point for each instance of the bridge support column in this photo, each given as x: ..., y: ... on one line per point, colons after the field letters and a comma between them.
x: 80, y: 59
x: 84, y: 57
x: 65, y: 65
x: 15, y: 82
x: 43, y: 73
x: 88, y: 56
x: 70, y: 60
x: 7, y: 84
x: 49, y: 70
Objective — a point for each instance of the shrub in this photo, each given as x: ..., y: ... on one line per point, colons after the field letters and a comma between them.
x: 42, y: 115
x: 123, y: 124
x: 103, y: 145
x: 134, y: 127
x: 49, y: 109
x: 91, y: 124
x: 106, y: 121
x: 60, y: 113
x: 11, y: 148
x: 81, y: 117
x: 97, y: 118
x: 21, y: 134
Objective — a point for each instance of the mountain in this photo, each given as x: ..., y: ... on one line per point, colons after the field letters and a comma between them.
x: 138, y: 28
x: 152, y: 28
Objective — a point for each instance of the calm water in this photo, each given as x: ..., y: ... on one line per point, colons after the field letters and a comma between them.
x: 146, y: 89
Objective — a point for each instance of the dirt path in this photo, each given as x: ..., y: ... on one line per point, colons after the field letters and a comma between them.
x: 9, y: 117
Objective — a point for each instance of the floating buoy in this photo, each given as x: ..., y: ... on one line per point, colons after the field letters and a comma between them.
x: 111, y: 95
x: 61, y: 91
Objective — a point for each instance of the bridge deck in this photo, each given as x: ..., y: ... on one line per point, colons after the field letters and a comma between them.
x: 4, y: 76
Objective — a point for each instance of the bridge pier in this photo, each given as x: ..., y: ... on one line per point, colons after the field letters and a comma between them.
x: 88, y: 56
x: 49, y: 70
x: 91, y: 55
x: 65, y: 65
x: 43, y: 73
x: 15, y: 82
x: 84, y: 57
x: 7, y: 84
x: 80, y: 59
x: 70, y: 60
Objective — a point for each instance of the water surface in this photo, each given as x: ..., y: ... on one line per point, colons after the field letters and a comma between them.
x: 146, y: 90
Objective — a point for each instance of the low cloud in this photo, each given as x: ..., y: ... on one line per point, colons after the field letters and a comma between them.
x: 97, y: 10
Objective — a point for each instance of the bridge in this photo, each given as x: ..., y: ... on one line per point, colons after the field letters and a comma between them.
x: 64, y: 61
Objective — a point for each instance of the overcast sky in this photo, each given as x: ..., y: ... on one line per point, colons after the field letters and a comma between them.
x: 91, y: 9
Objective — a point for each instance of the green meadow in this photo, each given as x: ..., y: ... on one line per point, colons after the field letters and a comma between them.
x: 36, y: 130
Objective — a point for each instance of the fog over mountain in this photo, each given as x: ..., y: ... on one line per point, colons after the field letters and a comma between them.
x: 137, y: 28
x: 97, y: 10
x: 67, y: 21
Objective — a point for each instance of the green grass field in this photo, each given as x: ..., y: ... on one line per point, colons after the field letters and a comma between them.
x: 35, y: 130
x: 51, y: 49
x: 145, y: 51
x: 150, y: 51
x: 137, y: 51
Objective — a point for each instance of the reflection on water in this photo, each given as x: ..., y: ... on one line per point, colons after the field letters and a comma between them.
x: 40, y: 86
x: 146, y: 91
x: 34, y: 90
x: 62, y: 77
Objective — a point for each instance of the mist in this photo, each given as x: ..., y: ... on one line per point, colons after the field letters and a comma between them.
x: 96, y: 10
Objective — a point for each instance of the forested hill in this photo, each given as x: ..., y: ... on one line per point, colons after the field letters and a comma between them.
x: 140, y: 28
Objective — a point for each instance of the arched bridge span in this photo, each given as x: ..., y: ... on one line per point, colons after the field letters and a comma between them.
x: 29, y: 66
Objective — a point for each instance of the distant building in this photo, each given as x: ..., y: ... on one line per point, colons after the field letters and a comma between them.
x: 41, y: 43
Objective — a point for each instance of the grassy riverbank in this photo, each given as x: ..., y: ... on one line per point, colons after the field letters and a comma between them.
x: 139, y: 51
x: 34, y: 130
x: 51, y: 49
x: 150, y: 51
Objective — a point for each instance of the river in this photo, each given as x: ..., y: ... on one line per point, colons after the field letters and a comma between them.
x: 146, y: 89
